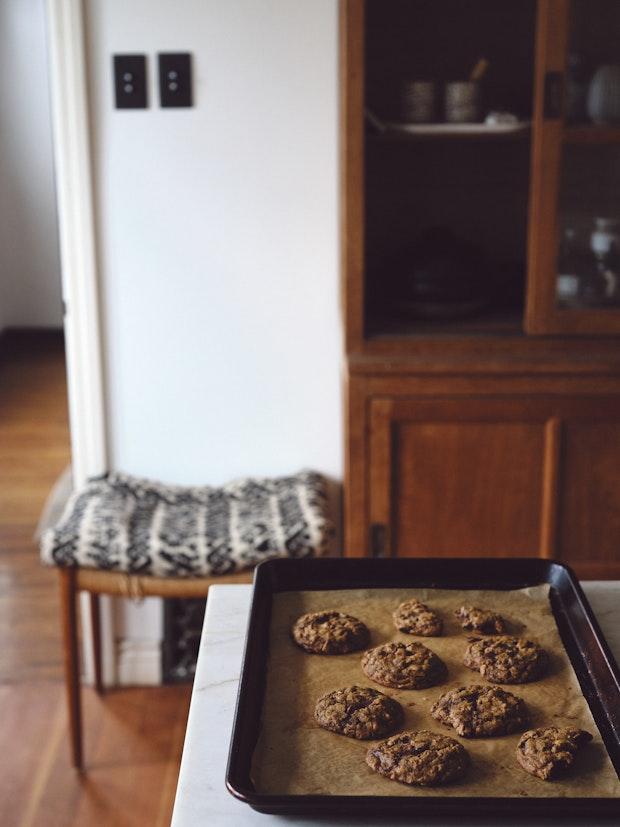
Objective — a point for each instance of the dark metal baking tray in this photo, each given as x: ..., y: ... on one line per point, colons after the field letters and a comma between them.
x: 585, y: 645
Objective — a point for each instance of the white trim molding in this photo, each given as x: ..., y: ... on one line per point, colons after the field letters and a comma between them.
x: 76, y: 217
x: 77, y: 237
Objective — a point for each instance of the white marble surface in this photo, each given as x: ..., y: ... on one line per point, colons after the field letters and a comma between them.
x: 202, y: 797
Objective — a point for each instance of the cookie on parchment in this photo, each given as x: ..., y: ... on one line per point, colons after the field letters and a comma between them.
x: 473, y: 619
x: 330, y: 633
x: 506, y: 659
x: 548, y: 752
x: 424, y: 758
x: 478, y: 711
x: 403, y: 666
x: 416, y: 618
x: 359, y: 712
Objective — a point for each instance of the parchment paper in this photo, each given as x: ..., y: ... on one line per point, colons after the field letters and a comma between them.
x: 295, y: 756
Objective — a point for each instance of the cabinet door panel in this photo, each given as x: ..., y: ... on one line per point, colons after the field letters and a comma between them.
x: 547, y: 126
x: 497, y: 476
x: 590, y: 525
x: 464, y: 477
x: 468, y: 488
x: 572, y: 180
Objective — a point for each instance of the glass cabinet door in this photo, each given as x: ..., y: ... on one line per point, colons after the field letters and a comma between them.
x: 574, y: 232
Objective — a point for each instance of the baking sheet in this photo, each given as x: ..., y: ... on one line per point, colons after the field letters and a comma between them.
x: 294, y: 756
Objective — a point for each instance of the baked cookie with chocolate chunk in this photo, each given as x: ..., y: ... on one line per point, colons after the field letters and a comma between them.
x: 416, y: 618
x: 478, y: 711
x: 424, y: 758
x: 506, y: 659
x: 473, y: 619
x: 359, y: 712
x: 403, y: 666
x: 548, y: 752
x: 330, y: 633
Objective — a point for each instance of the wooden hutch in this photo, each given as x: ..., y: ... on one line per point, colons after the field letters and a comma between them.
x: 488, y: 424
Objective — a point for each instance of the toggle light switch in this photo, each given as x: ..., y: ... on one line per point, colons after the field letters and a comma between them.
x: 130, y: 81
x: 175, y: 79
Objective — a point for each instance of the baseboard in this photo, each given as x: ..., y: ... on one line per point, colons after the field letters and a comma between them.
x: 16, y: 340
x: 138, y: 663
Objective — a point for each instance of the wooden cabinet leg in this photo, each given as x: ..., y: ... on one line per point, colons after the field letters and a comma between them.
x: 95, y: 624
x: 68, y: 595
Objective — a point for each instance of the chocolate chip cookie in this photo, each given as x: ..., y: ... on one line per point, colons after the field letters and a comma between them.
x: 423, y: 758
x: 403, y: 666
x: 506, y: 659
x: 359, y: 712
x: 478, y: 711
x: 415, y: 618
x: 548, y: 752
x: 474, y: 619
x: 330, y: 633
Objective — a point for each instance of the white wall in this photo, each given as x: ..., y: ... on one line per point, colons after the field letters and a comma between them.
x: 30, y: 292
x: 218, y: 244
x: 218, y: 233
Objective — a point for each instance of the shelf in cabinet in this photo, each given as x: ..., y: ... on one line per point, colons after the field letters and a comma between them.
x: 591, y: 134
x: 492, y: 322
x: 475, y: 131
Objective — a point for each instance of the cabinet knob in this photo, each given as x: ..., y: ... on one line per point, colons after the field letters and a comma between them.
x: 378, y: 538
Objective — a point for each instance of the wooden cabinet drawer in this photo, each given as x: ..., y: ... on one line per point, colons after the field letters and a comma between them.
x: 495, y: 476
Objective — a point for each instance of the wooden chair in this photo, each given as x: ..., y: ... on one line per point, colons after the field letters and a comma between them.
x: 94, y: 581
x: 98, y: 551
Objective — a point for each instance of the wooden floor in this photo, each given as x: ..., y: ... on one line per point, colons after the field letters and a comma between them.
x: 133, y: 737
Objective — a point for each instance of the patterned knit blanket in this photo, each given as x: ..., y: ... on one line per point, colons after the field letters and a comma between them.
x: 123, y: 523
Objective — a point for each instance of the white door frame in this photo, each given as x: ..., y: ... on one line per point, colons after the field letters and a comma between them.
x: 80, y: 282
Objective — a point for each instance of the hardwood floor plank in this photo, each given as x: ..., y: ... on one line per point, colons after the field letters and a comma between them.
x: 46, y: 761
x: 131, y: 768
x: 133, y: 737
x: 31, y: 714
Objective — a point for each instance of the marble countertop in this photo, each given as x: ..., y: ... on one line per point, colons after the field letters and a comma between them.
x: 202, y: 797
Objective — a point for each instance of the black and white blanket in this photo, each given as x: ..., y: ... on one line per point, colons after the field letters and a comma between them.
x: 123, y: 523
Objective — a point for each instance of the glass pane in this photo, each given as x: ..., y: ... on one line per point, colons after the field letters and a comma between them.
x: 588, y: 262
x: 447, y: 174
x: 592, y: 77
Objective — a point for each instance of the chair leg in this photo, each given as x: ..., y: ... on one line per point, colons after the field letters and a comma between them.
x: 95, y: 623
x: 68, y: 594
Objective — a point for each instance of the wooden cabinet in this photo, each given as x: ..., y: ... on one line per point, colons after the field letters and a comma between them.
x: 461, y: 229
x: 590, y: 492
x: 483, y: 398
x: 497, y: 468
x: 575, y: 177
x: 484, y: 469
x: 514, y: 476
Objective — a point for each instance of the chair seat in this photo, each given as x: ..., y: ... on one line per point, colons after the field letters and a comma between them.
x: 119, y: 523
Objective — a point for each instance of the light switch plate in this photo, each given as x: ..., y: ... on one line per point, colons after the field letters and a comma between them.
x: 175, y: 79
x: 130, y: 81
